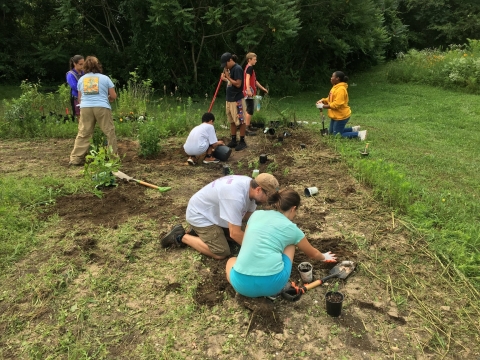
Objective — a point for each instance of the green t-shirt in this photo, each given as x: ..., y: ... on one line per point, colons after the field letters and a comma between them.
x: 268, y: 233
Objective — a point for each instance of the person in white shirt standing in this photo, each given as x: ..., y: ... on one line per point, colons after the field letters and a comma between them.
x: 202, y: 139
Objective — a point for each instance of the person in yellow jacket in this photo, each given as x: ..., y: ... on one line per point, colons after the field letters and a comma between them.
x: 338, y: 109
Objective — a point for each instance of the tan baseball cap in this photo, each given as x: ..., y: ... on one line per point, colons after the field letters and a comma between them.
x: 268, y: 183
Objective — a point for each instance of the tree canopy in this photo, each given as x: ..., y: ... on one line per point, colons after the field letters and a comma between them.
x: 179, y: 42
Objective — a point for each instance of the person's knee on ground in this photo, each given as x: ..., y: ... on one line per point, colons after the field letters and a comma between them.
x: 229, y: 266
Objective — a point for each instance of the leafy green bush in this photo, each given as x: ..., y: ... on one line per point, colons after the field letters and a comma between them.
x: 457, y: 67
x: 133, y: 99
x: 149, y: 138
x: 100, y: 164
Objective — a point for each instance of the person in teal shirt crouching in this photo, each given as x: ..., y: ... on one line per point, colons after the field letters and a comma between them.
x: 264, y: 263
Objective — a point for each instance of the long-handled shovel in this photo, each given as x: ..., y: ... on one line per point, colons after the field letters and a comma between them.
x: 341, y: 271
x: 124, y: 176
x: 215, y: 95
x: 324, y: 131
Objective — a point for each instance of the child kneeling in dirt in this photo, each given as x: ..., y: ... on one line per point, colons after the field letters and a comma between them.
x: 264, y: 263
x: 202, y: 139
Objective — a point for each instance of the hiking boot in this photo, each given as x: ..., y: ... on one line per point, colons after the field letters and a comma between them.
x: 356, y: 128
x: 362, y: 135
x: 174, y: 237
x: 210, y: 160
x: 232, y: 143
x: 241, y: 145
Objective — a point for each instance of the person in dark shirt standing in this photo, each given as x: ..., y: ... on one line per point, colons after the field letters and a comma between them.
x: 235, y: 101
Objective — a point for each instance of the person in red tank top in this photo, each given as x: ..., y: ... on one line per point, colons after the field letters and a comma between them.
x: 250, y: 85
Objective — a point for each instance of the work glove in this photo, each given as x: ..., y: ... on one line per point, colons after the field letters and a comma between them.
x: 319, y: 105
x: 329, y: 257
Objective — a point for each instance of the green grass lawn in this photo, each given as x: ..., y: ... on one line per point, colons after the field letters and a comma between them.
x: 424, y: 156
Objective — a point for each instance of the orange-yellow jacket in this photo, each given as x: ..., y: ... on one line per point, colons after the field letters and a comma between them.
x: 338, y: 101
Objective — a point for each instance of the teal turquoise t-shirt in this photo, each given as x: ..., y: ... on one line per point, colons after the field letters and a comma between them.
x: 268, y: 233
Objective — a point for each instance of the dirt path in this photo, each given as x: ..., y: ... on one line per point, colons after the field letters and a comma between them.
x: 99, y: 284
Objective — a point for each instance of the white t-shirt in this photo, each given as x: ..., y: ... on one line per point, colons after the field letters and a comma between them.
x: 199, y: 139
x: 223, y: 201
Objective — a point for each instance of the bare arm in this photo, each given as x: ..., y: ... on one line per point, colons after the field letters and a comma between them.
x: 236, y: 233
x: 261, y: 87
x: 237, y: 83
x: 249, y: 89
x: 309, y: 250
x: 112, y: 95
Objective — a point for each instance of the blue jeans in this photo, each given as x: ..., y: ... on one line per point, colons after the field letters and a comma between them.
x: 338, y: 127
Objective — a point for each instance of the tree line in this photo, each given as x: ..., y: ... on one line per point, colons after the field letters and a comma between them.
x: 178, y: 43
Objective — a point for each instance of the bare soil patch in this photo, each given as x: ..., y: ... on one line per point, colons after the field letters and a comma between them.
x: 99, y: 282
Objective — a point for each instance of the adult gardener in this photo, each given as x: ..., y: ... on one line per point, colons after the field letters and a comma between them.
x: 235, y: 102
x: 216, y: 212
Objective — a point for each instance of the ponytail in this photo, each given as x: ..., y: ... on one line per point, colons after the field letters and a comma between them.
x: 284, y: 200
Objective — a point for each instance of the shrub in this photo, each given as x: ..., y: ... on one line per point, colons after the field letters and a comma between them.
x: 149, y: 138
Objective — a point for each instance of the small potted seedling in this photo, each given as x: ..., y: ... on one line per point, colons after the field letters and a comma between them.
x: 334, y: 301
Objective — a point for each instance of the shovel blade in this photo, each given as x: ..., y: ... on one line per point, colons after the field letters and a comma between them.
x: 343, y: 269
x: 122, y: 175
x: 324, y: 132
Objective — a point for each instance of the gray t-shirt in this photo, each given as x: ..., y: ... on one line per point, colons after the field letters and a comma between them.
x: 223, y: 201
x: 234, y: 93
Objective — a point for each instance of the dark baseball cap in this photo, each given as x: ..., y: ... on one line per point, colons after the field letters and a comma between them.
x: 224, y: 59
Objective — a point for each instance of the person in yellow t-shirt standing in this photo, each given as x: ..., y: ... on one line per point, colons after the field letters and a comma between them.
x: 338, y: 110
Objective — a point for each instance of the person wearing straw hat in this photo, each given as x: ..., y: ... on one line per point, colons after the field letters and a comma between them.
x: 264, y: 264
x: 216, y: 212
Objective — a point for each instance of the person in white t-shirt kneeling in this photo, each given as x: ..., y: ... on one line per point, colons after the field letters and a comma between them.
x: 215, y: 214
x: 202, y: 139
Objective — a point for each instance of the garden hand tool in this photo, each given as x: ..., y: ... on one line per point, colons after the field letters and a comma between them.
x: 124, y: 176
x: 341, y: 271
x: 324, y: 131
x: 215, y: 95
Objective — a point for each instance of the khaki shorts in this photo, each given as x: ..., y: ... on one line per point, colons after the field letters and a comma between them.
x: 236, y: 111
x: 215, y: 237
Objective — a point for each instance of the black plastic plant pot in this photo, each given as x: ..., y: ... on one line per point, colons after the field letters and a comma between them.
x: 334, y: 301
x: 280, y: 138
x: 226, y: 170
x: 263, y: 159
x: 303, y: 146
x: 222, y: 152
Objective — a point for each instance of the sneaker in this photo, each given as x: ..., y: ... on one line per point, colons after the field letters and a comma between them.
x: 232, y: 144
x: 192, y: 161
x: 174, y: 237
x: 362, y: 135
x: 241, y: 145
x: 210, y: 160
x: 356, y: 128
